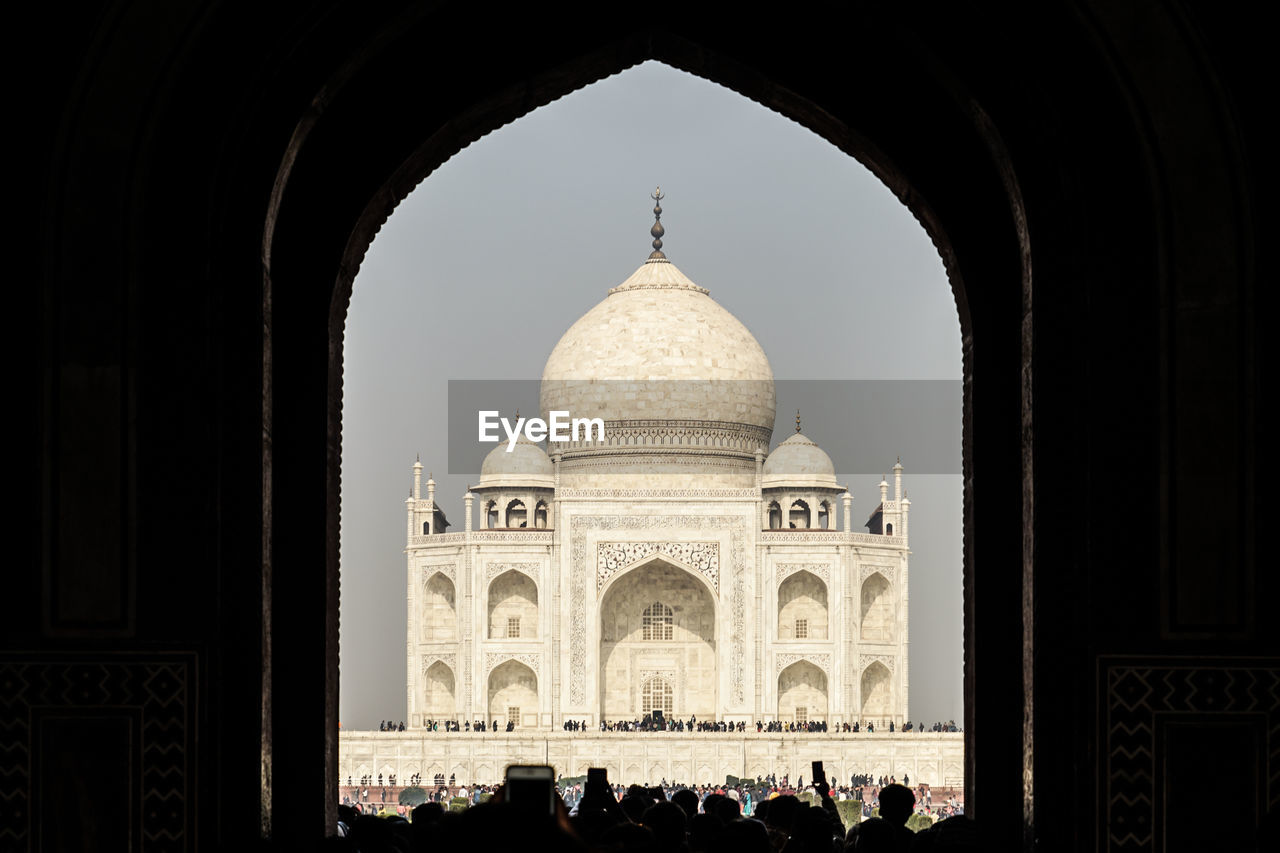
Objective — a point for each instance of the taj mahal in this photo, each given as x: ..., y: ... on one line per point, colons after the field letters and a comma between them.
x: 675, y: 565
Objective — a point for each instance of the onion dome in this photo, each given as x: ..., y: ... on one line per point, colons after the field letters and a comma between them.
x: 666, y: 367
x: 526, y: 465
x: 799, y: 462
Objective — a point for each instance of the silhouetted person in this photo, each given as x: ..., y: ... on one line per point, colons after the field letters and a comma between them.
x: 957, y: 833
x: 667, y: 820
x: 873, y: 835
x: 705, y: 831
x: 897, y: 803
x: 746, y: 836
x: 687, y: 801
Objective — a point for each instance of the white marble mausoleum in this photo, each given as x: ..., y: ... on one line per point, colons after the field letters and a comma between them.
x: 683, y: 563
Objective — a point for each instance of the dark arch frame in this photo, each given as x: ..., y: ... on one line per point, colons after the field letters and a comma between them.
x: 993, y: 254
x: 212, y: 162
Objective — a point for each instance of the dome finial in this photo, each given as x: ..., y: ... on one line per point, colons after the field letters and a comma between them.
x: 797, y: 420
x: 657, y: 230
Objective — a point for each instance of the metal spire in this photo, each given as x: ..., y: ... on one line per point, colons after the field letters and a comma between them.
x: 657, y: 230
x: 797, y: 420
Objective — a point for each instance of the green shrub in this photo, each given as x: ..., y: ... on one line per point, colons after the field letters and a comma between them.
x: 414, y: 796
x: 917, y: 822
x: 850, y: 812
x: 458, y: 804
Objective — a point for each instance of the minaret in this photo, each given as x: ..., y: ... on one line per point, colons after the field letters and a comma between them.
x: 906, y: 510
x: 408, y: 511
x: 848, y: 510
x: 899, y: 521
x: 467, y: 500
x: 431, y: 504
x: 884, y: 492
x: 415, y: 494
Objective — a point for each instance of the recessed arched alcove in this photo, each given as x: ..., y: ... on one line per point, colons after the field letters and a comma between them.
x: 657, y: 634
x: 513, y: 606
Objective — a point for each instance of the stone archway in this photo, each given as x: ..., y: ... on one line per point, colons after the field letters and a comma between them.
x: 513, y: 606
x: 877, y: 610
x: 439, y: 618
x: 877, y: 693
x: 512, y: 685
x: 802, y: 607
x: 657, y: 620
x: 439, y: 694
x: 802, y: 693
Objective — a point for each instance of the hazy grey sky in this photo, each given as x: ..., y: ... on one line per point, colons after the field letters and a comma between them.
x: 482, y: 269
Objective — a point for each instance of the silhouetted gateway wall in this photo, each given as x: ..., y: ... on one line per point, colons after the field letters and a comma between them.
x: 200, y: 184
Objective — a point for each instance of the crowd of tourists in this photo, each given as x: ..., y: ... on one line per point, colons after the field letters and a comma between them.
x: 650, y: 723
x: 769, y: 815
x: 478, y: 725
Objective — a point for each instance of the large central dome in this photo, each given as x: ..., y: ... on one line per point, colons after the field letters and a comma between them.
x: 676, y: 378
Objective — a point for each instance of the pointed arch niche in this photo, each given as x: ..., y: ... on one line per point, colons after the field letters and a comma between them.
x: 513, y: 606
x: 802, y: 607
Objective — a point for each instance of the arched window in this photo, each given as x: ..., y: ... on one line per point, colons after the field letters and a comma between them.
x: 775, y: 516
x: 657, y: 622
x: 655, y: 695
x: 799, y: 515
x: 888, y: 530
x: 491, y: 515
x: 516, y: 513
x: 540, y: 516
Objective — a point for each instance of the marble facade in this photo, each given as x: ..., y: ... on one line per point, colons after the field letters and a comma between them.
x: 675, y: 564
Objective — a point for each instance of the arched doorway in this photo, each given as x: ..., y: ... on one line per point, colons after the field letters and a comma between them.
x: 513, y: 607
x: 802, y: 694
x: 512, y: 693
x: 657, y: 644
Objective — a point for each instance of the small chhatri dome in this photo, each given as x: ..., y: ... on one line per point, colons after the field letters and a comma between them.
x: 799, y: 462
x: 526, y: 465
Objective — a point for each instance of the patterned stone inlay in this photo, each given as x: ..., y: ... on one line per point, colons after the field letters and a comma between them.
x: 580, y: 575
x: 866, y: 570
x: 492, y: 660
x: 783, y: 660
x: 704, y: 557
x: 865, y: 661
x: 822, y: 570
x: 829, y: 537
x: 158, y: 688
x: 492, y: 570
x: 657, y: 493
x: 448, y: 659
x: 1138, y: 692
x: 446, y: 569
